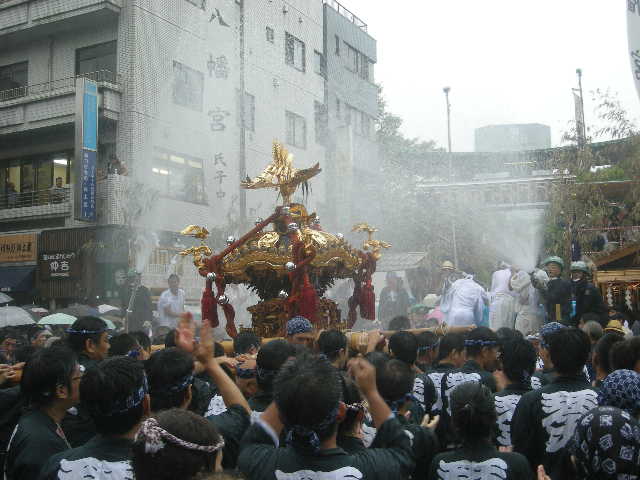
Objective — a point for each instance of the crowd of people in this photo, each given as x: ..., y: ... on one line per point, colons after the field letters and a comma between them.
x: 444, y: 401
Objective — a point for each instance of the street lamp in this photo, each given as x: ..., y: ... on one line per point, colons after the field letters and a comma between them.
x: 446, y: 91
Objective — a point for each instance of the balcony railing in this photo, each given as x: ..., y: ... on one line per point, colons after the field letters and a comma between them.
x: 100, y: 76
x: 50, y: 196
x: 345, y: 12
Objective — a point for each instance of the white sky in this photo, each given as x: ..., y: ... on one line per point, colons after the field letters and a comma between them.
x: 506, y: 61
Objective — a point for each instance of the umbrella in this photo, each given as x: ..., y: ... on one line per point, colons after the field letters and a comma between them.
x: 107, y: 308
x: 57, y: 319
x: 4, y: 298
x: 14, y: 316
x: 79, y: 311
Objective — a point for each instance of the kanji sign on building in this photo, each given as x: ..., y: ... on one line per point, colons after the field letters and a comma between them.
x: 58, y: 265
x: 18, y: 248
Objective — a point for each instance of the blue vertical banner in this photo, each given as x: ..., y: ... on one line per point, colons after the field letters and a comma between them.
x: 86, y: 149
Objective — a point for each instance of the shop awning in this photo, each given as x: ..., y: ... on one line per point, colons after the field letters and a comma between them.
x: 17, y: 279
x: 397, y: 262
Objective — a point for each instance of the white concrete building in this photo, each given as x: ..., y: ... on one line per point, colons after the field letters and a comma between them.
x: 170, y: 75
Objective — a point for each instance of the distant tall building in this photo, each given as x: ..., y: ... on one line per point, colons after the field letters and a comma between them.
x: 513, y: 137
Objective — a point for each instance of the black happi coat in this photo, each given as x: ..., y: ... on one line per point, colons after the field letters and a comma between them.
x: 232, y: 424
x: 558, y: 292
x: 545, y: 420
x: 78, y: 425
x: 471, y: 371
x: 35, y: 439
x: 424, y: 397
x: 589, y: 300
x: 100, y: 457
x: 506, y: 402
x: 389, y: 457
x: 480, y: 462
x: 424, y: 444
x: 435, y: 374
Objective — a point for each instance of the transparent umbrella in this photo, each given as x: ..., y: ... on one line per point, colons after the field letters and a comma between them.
x: 57, y: 319
x: 4, y: 298
x: 107, y: 308
x: 14, y: 316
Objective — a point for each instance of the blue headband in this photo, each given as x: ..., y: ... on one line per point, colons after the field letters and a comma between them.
x: 483, y: 343
x: 426, y: 348
x: 130, y: 402
x: 86, y: 332
x: 177, y: 387
x: 245, y: 372
x: 310, y: 433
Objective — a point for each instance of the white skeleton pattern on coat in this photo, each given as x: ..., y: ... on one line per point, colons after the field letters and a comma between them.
x: 216, y: 406
x: 536, y: 384
x: 344, y: 473
x: 561, y: 413
x: 453, y: 379
x: 93, y: 469
x: 436, y: 378
x: 505, y: 406
x: 418, y: 391
x: 493, y: 468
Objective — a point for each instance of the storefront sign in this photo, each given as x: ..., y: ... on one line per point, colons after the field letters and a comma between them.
x: 58, y: 265
x: 18, y: 248
x: 86, y: 149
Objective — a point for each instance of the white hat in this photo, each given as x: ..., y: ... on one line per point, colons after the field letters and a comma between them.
x: 430, y: 300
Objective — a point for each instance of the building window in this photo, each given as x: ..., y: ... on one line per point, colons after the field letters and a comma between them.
x: 338, y: 112
x: 96, y: 58
x: 201, y: 4
x: 358, y: 63
x: 319, y: 65
x: 296, y: 130
x: 270, y: 35
x: 337, y: 45
x: 294, y: 52
x: 360, y: 121
x: 249, y: 111
x: 321, y: 122
x: 179, y: 176
x: 187, y: 86
x: 14, y: 77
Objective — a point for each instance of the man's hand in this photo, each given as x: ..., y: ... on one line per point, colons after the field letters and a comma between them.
x: 374, y: 338
x: 542, y: 475
x: 430, y: 423
x: 4, y: 373
x: 204, y: 350
x: 365, y: 376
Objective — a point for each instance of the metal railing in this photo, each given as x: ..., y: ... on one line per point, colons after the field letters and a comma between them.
x: 50, y: 196
x: 100, y: 76
x: 345, y: 12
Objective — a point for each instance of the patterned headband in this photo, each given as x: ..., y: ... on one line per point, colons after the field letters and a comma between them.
x: 86, y: 332
x: 154, y: 439
x: 621, y: 389
x: 483, y: 343
x: 128, y: 403
x: 426, y: 348
x: 310, y: 433
x: 177, y: 387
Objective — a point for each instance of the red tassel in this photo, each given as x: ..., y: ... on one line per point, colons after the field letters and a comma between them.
x: 208, y: 306
x: 230, y: 315
x: 308, y: 304
x: 368, y: 302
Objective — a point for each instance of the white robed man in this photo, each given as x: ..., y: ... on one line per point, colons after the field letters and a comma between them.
x: 170, y: 305
x: 463, y: 302
x: 503, y: 303
x: 529, y: 315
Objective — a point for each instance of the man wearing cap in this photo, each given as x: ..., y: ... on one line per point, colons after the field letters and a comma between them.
x: 300, y: 332
x: 138, y: 304
x: 556, y: 292
x: 394, y: 299
x: 587, y: 297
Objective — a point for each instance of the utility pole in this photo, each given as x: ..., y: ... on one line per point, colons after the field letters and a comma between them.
x: 583, y: 133
x: 446, y: 91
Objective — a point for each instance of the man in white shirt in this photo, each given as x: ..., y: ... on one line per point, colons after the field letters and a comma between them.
x: 502, y: 308
x: 170, y: 305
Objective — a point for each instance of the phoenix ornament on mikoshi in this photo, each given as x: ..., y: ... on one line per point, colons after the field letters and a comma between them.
x: 291, y: 266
